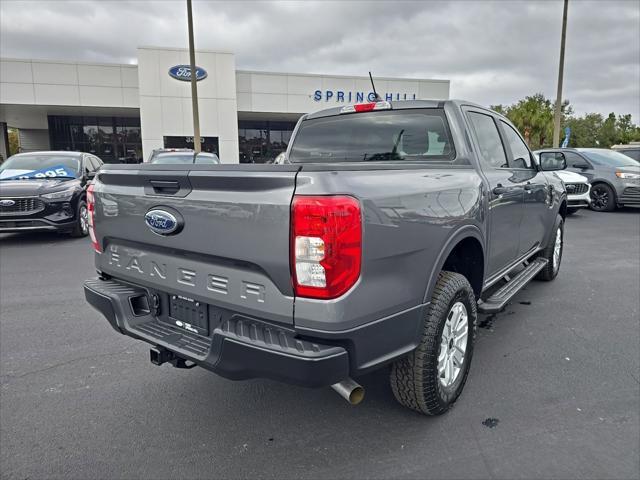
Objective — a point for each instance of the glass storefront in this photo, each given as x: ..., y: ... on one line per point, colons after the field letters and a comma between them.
x: 113, y: 139
x: 118, y: 139
x: 261, y: 141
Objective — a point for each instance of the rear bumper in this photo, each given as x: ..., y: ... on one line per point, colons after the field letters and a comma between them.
x: 238, y: 347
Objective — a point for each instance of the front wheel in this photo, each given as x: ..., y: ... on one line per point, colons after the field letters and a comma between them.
x: 553, y: 253
x: 431, y: 378
x: 81, y: 228
x: 602, y: 198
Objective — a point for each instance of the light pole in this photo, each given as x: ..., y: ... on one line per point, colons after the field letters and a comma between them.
x: 556, y: 119
x: 194, y: 84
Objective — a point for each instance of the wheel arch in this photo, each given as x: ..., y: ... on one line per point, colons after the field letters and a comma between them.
x: 469, y: 241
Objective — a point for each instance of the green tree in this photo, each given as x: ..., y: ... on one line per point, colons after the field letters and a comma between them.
x: 533, y: 116
x: 14, y: 141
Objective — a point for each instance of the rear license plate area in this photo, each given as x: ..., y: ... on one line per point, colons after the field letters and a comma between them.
x: 189, y: 314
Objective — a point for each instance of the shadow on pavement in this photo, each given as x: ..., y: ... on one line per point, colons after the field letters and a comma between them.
x: 33, y: 238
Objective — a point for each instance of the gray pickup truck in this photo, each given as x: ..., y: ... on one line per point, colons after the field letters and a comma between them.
x: 385, y: 231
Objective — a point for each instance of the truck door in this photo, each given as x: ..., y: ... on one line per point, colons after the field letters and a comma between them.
x: 536, y: 217
x: 506, y: 193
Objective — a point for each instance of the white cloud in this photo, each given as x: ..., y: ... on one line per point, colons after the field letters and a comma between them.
x: 493, y: 52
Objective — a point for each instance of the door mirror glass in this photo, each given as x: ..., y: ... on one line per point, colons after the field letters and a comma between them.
x: 552, y: 161
x: 281, y: 159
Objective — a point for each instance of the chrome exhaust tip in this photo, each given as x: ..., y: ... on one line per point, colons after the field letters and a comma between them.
x: 351, y: 391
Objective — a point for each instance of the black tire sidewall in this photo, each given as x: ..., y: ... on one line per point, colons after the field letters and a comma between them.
x: 448, y: 395
x: 77, y: 229
x: 611, y: 202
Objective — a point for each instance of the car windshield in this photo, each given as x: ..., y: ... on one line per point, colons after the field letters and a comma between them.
x: 393, y: 135
x: 609, y: 157
x: 184, y: 157
x: 28, y: 166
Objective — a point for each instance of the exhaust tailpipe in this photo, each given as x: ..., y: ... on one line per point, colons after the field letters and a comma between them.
x: 351, y: 391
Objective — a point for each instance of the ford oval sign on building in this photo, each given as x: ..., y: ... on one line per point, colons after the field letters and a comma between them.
x: 183, y: 72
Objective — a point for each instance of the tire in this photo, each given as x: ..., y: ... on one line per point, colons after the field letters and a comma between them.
x: 551, y: 269
x: 415, y: 378
x: 571, y: 211
x: 81, y: 228
x: 603, y: 199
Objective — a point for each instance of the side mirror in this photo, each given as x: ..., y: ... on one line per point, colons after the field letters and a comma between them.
x: 90, y: 175
x: 281, y: 159
x: 552, y: 161
x: 581, y: 166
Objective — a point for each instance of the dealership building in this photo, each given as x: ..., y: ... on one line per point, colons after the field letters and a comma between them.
x: 123, y: 112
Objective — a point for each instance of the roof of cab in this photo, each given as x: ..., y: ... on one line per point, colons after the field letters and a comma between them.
x: 398, y: 105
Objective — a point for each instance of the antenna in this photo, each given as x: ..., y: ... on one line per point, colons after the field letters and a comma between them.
x: 378, y: 98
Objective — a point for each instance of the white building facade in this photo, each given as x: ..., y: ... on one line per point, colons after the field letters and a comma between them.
x: 123, y: 112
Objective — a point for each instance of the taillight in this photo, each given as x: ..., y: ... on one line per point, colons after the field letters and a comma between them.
x: 326, y: 245
x: 91, y: 208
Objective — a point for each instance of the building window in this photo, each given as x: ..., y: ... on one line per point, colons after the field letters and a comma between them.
x: 113, y: 139
x: 262, y: 141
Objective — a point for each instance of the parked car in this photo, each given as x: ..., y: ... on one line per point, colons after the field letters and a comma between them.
x: 389, y: 227
x: 577, y: 186
x: 182, y: 155
x: 46, y: 191
x: 631, y: 150
x: 614, y: 177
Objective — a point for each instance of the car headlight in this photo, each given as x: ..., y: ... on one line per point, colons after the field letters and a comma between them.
x: 628, y: 176
x: 61, y: 195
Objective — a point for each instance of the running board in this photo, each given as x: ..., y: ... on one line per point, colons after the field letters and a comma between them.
x: 499, y: 299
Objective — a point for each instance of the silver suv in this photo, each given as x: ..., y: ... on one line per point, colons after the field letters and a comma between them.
x: 614, y: 177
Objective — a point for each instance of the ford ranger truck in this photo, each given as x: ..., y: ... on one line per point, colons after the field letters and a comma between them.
x: 376, y: 242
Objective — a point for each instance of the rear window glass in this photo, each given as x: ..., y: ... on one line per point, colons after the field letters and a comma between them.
x: 393, y: 135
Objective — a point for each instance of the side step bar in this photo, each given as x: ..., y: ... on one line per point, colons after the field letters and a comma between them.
x: 499, y: 299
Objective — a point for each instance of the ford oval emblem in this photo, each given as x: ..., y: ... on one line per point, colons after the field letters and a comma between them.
x: 162, y: 222
x: 183, y: 73
x: 7, y: 203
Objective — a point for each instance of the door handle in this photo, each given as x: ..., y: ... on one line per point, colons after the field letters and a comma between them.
x: 528, y: 187
x: 163, y: 187
x: 499, y: 190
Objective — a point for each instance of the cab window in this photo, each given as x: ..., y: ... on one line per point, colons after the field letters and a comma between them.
x: 520, y: 156
x: 491, y: 148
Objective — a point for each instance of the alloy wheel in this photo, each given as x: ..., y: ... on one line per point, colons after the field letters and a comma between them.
x: 557, y: 250
x: 599, y: 198
x: 84, y: 219
x: 453, y: 344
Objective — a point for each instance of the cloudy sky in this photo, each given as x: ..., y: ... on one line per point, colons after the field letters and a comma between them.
x: 492, y: 51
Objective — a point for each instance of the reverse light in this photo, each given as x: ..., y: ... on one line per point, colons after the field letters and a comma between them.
x: 326, y: 245
x: 366, y: 107
x: 91, y: 208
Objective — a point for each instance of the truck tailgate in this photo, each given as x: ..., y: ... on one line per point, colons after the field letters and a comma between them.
x: 233, y: 248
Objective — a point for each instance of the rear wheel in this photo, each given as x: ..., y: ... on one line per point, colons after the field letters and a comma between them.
x: 430, y: 379
x: 602, y: 198
x: 81, y: 228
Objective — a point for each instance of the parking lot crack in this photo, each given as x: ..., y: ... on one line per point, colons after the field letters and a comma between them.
x: 62, y: 364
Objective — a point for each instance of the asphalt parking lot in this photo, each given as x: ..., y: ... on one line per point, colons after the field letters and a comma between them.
x: 554, y: 388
